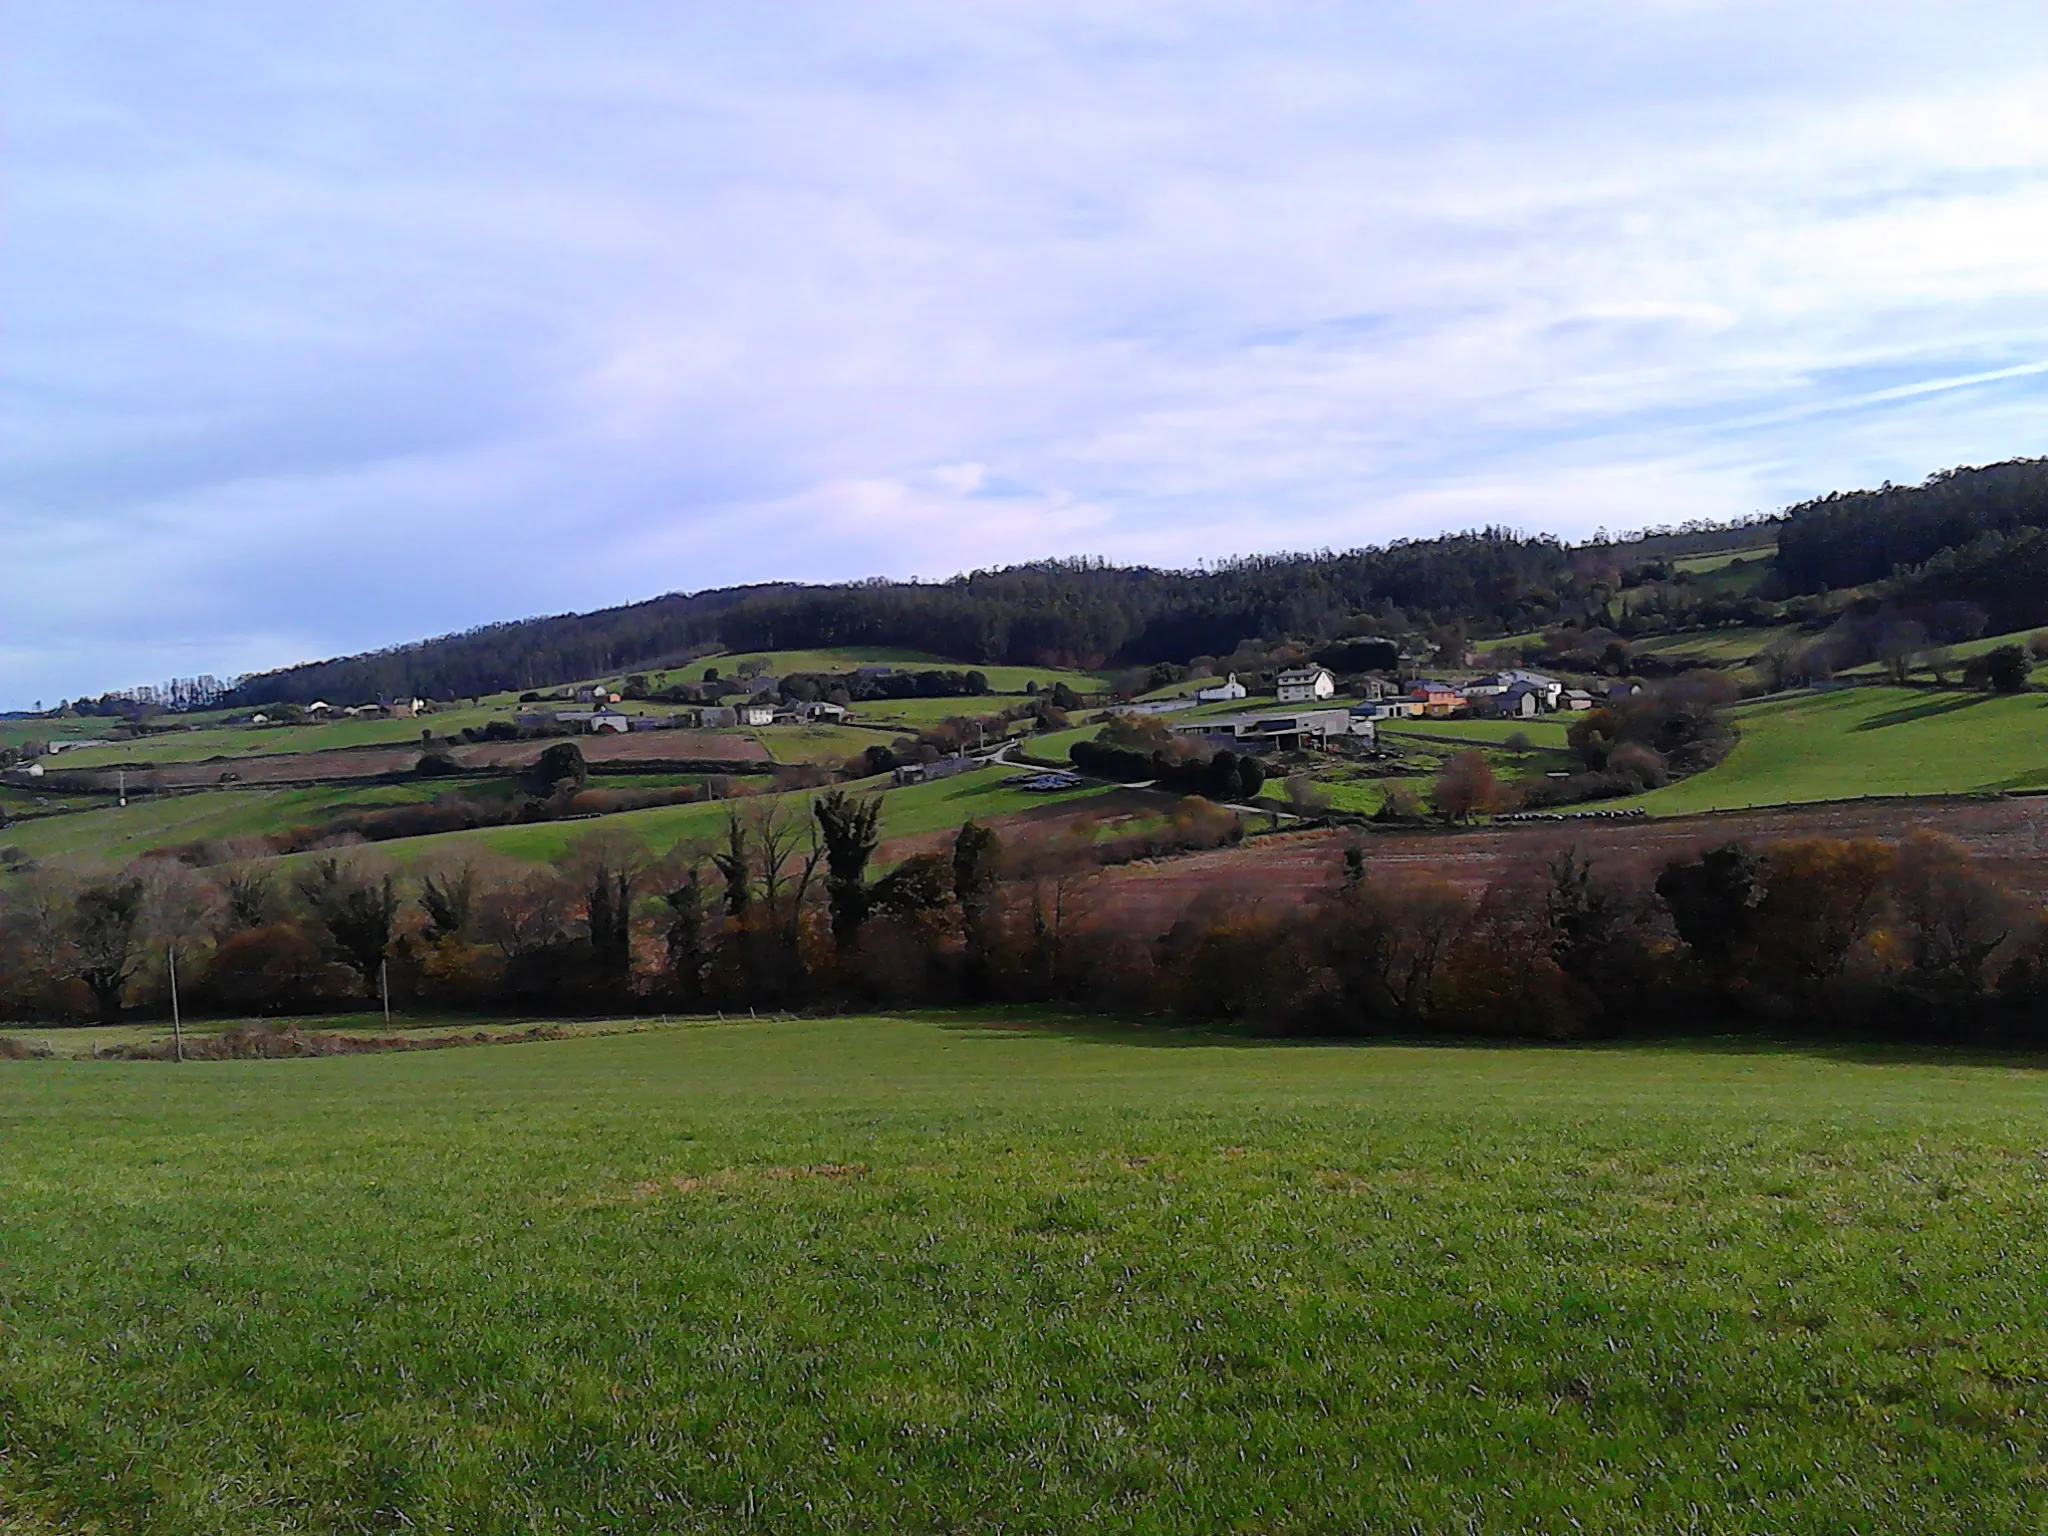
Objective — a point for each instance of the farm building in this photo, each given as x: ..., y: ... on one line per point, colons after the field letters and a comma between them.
x: 1286, y: 731
x: 926, y: 773
x: 1306, y: 685
x: 596, y: 722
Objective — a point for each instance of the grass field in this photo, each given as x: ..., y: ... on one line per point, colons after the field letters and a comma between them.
x: 1870, y: 741
x: 116, y: 834
x: 906, y: 812
x: 275, y: 740
x: 75, y: 728
x: 1719, y: 645
x: 846, y: 658
x: 953, y: 1275
x: 1547, y: 731
x: 831, y: 745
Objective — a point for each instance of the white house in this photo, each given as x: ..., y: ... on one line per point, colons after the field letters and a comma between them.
x: 757, y: 714
x: 1306, y: 685
x: 1226, y: 692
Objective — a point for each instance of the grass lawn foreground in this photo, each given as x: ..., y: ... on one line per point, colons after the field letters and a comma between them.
x: 980, y: 1273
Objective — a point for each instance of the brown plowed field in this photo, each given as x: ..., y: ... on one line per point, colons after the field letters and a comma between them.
x: 638, y: 747
x: 2010, y: 836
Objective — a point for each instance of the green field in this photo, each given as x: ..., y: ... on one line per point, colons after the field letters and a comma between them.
x: 1961, y: 651
x: 1757, y: 555
x: 1719, y: 645
x: 68, y: 728
x: 845, y: 658
x: 275, y: 740
x: 957, y: 1275
x: 1870, y: 741
x: 1545, y: 731
x: 830, y: 745
x: 110, y: 834
x: 906, y: 812
x: 116, y: 834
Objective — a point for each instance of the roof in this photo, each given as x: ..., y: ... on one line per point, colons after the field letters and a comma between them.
x: 1303, y: 674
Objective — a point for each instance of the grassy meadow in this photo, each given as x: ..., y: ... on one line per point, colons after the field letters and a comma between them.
x: 1870, y: 741
x: 110, y: 833
x: 1546, y: 731
x: 1003, y: 679
x: 1000, y: 1274
x: 912, y: 810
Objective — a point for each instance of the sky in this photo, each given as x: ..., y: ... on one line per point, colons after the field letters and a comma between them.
x: 324, y: 328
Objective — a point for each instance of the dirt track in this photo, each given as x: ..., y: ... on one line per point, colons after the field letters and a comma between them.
x: 2010, y: 836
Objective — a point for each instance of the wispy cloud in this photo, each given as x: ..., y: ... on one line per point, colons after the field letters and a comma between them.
x: 325, y: 333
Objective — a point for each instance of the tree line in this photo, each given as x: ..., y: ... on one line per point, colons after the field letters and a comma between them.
x: 1849, y: 539
x: 787, y: 910
x: 1068, y: 613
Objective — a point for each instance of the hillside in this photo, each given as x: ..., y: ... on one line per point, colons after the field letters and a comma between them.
x: 1871, y: 741
x: 1075, y: 613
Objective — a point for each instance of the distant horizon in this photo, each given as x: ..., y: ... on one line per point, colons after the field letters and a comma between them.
x: 1613, y: 539
x: 327, y: 333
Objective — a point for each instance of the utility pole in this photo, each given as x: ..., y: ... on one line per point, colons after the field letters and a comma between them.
x: 384, y: 986
x: 177, y: 1023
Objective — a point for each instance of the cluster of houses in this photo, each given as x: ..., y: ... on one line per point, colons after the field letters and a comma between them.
x: 383, y: 709
x: 605, y: 720
x: 1512, y: 694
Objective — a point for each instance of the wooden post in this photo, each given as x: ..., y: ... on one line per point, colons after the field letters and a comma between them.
x: 177, y: 1023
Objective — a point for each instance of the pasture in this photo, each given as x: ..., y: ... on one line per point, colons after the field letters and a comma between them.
x: 1546, y: 731
x: 911, y: 811
x: 1002, y: 679
x: 990, y: 1272
x: 110, y: 833
x: 1870, y: 741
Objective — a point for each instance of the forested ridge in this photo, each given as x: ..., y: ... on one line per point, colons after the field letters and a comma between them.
x: 1081, y: 613
x: 1854, y: 537
x: 1974, y: 534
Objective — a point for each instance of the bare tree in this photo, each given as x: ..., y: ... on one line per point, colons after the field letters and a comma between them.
x: 1466, y: 786
x: 1952, y: 916
x: 1899, y: 645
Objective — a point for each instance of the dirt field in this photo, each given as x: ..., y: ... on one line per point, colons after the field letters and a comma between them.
x: 639, y: 747
x: 2010, y: 836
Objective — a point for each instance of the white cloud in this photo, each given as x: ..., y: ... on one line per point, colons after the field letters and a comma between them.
x: 329, y: 334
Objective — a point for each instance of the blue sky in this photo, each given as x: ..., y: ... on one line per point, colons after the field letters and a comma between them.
x: 323, y: 328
